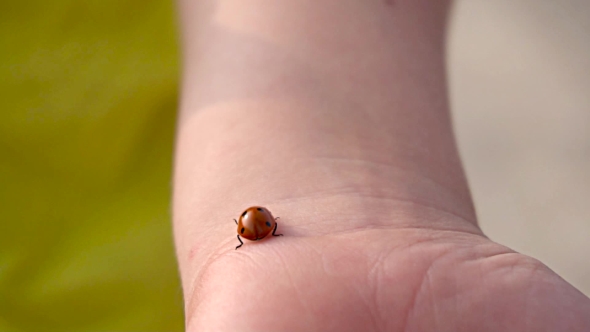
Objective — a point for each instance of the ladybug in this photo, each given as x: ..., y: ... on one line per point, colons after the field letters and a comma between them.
x: 255, y: 224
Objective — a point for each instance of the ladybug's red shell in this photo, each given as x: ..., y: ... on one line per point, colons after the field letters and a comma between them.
x: 255, y: 223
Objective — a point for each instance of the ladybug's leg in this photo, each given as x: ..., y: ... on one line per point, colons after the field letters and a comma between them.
x: 236, y: 221
x: 241, y: 243
x: 274, y: 230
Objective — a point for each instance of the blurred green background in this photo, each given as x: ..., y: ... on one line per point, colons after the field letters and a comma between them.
x: 88, y: 94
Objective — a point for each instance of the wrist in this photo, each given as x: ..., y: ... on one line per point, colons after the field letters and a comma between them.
x: 230, y: 157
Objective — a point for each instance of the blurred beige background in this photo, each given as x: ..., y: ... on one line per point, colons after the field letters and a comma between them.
x: 520, y: 93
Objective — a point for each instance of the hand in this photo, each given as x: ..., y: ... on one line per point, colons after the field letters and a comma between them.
x: 352, y: 269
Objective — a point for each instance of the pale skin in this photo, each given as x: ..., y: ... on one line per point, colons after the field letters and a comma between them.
x: 334, y: 115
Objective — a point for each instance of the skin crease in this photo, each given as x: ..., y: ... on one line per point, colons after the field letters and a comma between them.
x: 333, y: 115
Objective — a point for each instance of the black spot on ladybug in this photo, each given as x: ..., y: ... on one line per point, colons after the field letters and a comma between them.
x: 259, y: 209
x: 267, y: 224
x: 244, y: 214
x: 242, y: 230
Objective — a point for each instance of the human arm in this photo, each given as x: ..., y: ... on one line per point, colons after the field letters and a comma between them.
x: 334, y: 115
